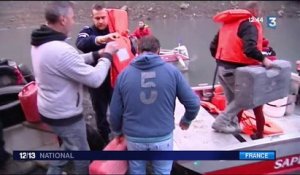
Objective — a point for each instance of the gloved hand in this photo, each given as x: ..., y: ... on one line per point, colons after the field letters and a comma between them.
x: 273, y: 53
x: 97, y: 55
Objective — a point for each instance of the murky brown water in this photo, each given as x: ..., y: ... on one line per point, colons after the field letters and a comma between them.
x: 195, y: 34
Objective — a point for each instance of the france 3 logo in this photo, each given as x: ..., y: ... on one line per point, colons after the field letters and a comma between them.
x: 272, y: 22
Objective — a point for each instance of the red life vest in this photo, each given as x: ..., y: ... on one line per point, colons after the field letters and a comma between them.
x: 121, y: 60
x: 230, y: 46
x: 118, y: 22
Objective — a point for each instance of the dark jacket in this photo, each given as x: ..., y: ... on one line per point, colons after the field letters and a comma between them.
x: 86, y: 39
x: 45, y: 34
x: 143, y: 101
x: 248, y: 34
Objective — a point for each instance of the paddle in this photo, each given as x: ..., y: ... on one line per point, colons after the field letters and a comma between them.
x: 213, y: 83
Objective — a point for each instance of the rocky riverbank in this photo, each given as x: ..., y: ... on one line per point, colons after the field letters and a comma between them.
x: 27, y: 13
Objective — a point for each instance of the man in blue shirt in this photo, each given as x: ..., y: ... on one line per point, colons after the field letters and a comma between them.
x: 143, y: 104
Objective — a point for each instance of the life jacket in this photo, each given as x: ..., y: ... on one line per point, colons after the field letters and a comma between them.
x: 121, y: 59
x: 248, y: 122
x: 230, y: 45
x: 118, y: 22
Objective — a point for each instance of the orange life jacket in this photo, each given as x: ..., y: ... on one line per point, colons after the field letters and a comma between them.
x: 230, y: 45
x: 248, y: 123
x: 118, y: 22
x: 121, y: 60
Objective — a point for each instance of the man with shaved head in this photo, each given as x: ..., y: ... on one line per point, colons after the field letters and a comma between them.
x: 238, y: 43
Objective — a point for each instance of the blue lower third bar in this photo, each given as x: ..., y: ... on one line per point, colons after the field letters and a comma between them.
x: 257, y: 155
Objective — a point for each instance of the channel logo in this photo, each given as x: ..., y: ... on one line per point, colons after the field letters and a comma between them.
x: 272, y: 22
x: 257, y: 155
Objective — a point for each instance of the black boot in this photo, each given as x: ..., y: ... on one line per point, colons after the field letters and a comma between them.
x: 4, y: 158
x: 256, y: 136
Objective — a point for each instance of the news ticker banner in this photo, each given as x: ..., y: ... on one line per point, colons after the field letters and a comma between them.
x: 144, y: 155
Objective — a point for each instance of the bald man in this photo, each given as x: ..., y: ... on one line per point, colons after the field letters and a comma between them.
x: 245, y: 48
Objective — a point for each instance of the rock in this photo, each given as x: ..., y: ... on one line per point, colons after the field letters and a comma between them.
x: 280, y: 13
x: 148, y: 18
x: 12, y: 19
x: 105, y: 3
x: 150, y: 9
x: 184, y: 6
x: 124, y: 7
x: 234, y: 3
x: 290, y: 15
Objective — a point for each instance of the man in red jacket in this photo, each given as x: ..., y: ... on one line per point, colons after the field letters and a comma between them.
x: 142, y: 30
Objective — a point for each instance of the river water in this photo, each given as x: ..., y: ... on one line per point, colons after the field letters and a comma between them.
x: 196, y: 34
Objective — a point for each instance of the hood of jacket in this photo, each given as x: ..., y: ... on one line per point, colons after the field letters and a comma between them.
x: 147, y: 61
x: 45, y: 34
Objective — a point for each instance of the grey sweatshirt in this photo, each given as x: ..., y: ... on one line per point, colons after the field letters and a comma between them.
x: 60, y: 72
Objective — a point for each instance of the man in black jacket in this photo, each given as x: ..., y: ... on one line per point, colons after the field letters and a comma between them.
x: 93, y: 38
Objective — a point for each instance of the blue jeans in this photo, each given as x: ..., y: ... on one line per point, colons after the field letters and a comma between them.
x: 159, y: 166
x: 74, y: 138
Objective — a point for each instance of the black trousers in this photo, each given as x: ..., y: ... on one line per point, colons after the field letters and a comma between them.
x: 1, y: 139
x: 101, y: 98
x: 3, y: 154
